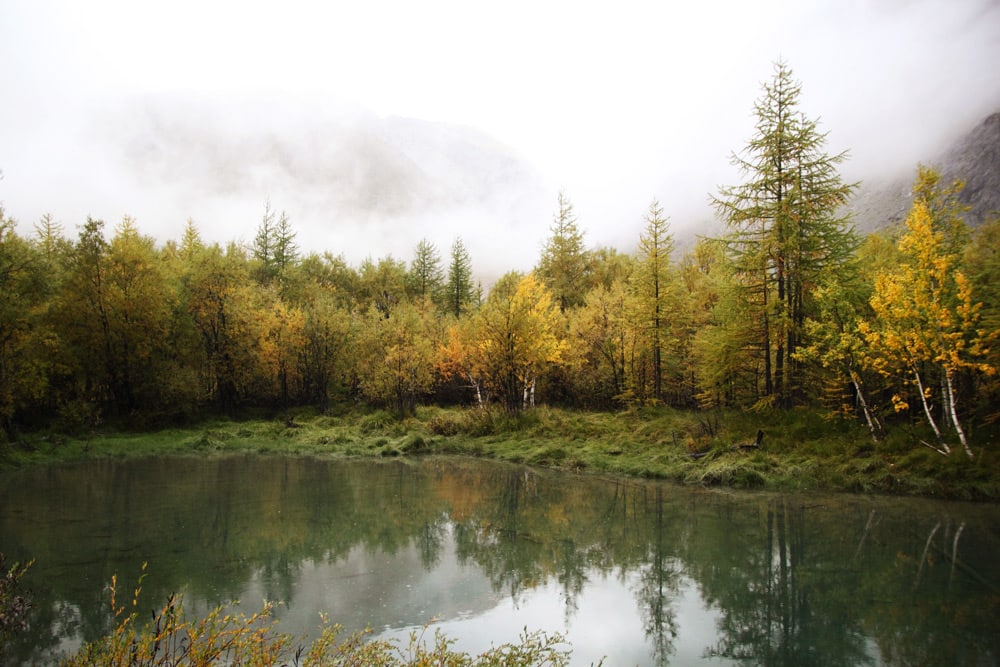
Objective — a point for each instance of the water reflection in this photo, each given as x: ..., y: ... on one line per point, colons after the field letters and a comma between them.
x: 644, y: 573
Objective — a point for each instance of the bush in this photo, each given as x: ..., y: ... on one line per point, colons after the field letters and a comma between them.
x: 222, y: 638
x: 14, y: 602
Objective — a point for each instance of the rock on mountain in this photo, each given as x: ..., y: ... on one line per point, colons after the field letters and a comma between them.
x: 973, y: 158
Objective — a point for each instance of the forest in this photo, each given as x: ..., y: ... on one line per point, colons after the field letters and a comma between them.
x: 788, y: 309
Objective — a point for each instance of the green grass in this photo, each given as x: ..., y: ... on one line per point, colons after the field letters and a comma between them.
x: 801, y: 449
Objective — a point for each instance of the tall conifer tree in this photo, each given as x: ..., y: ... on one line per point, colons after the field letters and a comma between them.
x: 563, y: 265
x: 460, y: 288
x: 653, y: 289
x: 785, y: 226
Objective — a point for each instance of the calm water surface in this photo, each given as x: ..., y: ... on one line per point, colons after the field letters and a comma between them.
x: 641, y: 573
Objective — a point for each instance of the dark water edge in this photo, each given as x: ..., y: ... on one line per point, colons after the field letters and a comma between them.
x: 640, y: 572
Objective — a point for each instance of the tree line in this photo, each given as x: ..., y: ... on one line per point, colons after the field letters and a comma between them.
x: 789, y: 307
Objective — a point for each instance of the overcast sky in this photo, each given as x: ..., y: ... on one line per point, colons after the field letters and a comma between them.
x: 614, y: 103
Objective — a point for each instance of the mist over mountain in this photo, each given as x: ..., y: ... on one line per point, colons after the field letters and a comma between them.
x: 973, y: 158
x: 350, y: 181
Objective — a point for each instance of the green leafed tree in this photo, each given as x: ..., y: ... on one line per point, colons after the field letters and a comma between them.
x: 982, y: 262
x: 382, y: 285
x: 396, y: 366
x: 785, y: 227
x: 24, y: 342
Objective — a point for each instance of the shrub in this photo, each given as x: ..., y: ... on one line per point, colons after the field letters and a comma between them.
x: 222, y: 638
x: 14, y: 602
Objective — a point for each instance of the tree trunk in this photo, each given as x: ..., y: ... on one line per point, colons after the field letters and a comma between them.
x: 953, y: 413
x: 874, y: 425
x: 944, y: 448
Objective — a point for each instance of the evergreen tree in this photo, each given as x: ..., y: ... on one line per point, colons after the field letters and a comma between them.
x: 263, y: 248
x: 654, y: 291
x: 286, y: 250
x: 191, y: 242
x: 49, y: 234
x: 460, y: 290
x: 563, y: 265
x: 426, y: 276
x: 785, y: 226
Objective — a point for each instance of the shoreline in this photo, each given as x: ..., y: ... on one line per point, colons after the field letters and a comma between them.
x: 795, y: 455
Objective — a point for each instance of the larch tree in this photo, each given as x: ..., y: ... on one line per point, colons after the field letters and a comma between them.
x: 785, y: 226
x: 191, y: 241
x: 426, y: 277
x: 563, y: 264
x: 286, y: 249
x: 274, y: 248
x: 263, y: 247
x: 654, y: 291
x: 460, y: 291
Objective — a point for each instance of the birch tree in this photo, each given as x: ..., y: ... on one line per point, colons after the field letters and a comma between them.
x: 511, y: 339
x: 927, y: 319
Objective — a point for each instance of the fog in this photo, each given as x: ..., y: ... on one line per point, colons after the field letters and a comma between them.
x: 377, y: 125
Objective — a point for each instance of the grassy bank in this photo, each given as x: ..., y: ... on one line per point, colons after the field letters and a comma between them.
x: 800, y: 450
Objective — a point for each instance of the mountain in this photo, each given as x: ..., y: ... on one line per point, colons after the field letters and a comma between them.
x: 973, y: 158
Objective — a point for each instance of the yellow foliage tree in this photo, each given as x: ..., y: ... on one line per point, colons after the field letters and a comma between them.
x: 280, y: 340
x: 927, y: 319
x: 397, y: 362
x: 512, y: 338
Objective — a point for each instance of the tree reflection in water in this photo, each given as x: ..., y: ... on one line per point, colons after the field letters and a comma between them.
x: 783, y: 580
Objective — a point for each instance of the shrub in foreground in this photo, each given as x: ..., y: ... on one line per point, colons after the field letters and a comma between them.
x: 222, y: 638
x: 14, y: 602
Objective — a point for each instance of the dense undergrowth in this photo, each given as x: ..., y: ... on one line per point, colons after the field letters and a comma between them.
x: 800, y: 450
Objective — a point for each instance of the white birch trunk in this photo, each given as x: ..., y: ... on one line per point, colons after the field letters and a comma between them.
x: 944, y: 449
x: 475, y: 385
x: 953, y: 414
x: 874, y: 426
x: 528, y: 396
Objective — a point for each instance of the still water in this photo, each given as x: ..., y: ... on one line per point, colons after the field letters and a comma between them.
x: 639, y: 573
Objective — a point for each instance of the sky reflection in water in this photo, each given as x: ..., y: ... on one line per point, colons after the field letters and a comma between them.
x: 640, y: 572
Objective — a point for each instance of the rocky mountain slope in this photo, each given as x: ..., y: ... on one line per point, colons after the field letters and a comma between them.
x: 973, y: 158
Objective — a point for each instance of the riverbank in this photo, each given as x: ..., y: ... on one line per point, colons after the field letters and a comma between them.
x: 798, y: 450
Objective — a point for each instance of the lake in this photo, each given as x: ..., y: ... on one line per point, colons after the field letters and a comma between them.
x: 639, y: 572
